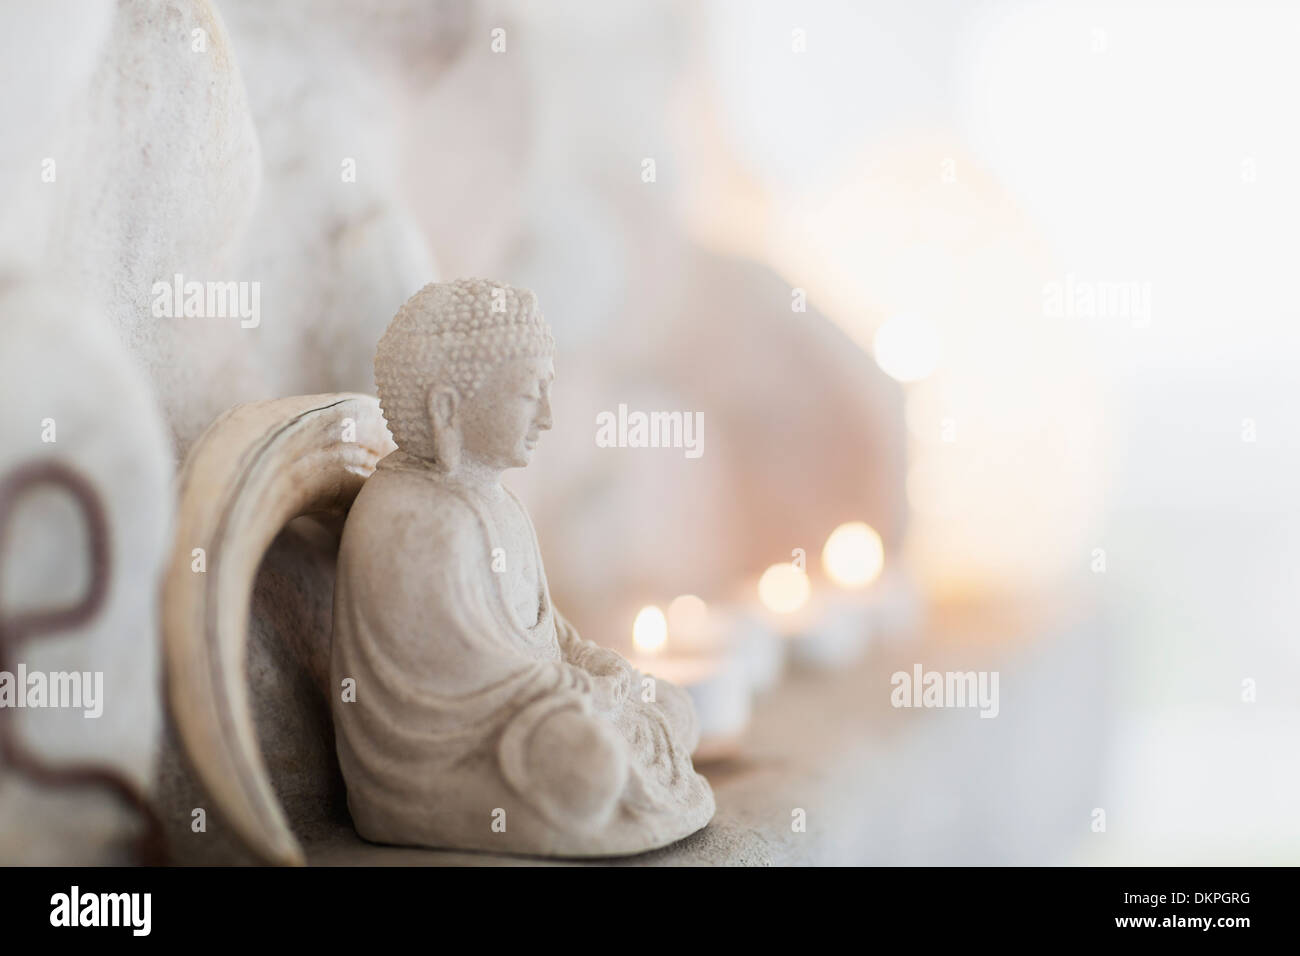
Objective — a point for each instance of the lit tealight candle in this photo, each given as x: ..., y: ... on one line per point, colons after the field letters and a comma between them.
x: 784, y: 589
x: 716, y: 679
x: 759, y: 643
x: 649, y: 630
x: 783, y: 612
x: 898, y: 614
x: 854, y: 555
x: 852, y: 558
x: 783, y: 594
x: 692, y: 625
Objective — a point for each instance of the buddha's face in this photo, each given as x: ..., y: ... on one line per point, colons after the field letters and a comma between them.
x: 500, y: 424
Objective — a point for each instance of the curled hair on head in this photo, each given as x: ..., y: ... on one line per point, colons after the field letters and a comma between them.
x: 451, y: 335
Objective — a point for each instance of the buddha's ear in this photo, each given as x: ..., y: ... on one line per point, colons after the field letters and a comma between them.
x: 444, y: 433
x: 442, y: 404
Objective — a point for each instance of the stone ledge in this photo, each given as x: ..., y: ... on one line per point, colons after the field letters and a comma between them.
x: 880, y: 785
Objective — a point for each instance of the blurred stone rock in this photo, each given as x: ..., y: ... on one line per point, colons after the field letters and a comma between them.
x: 105, y: 426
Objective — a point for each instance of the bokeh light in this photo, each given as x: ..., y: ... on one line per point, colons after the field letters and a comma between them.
x: 854, y: 555
x: 649, y: 630
x: 783, y: 588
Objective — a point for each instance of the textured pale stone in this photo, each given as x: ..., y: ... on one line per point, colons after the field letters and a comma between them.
x: 159, y: 172
x: 332, y: 241
x: 127, y: 156
x: 106, y: 428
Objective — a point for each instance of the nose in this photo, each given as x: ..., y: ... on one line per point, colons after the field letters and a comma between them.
x: 544, y: 421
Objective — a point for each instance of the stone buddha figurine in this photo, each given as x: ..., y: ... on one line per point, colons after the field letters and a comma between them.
x: 479, y: 718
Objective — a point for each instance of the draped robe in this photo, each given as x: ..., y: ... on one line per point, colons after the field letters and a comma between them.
x: 444, y: 744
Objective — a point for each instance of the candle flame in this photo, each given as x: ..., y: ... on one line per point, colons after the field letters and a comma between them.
x: 687, y: 614
x: 649, y: 630
x: 783, y: 588
x: 854, y: 555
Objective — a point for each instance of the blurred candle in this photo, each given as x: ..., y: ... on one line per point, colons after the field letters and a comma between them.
x: 649, y: 630
x: 783, y: 590
x: 854, y: 555
x: 759, y: 643
x: 852, y: 558
x: 692, y: 624
x: 712, y: 674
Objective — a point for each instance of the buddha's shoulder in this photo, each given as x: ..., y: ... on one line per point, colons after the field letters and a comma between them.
x: 396, y: 504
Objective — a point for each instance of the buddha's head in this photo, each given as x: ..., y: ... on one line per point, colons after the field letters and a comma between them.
x: 464, y: 374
